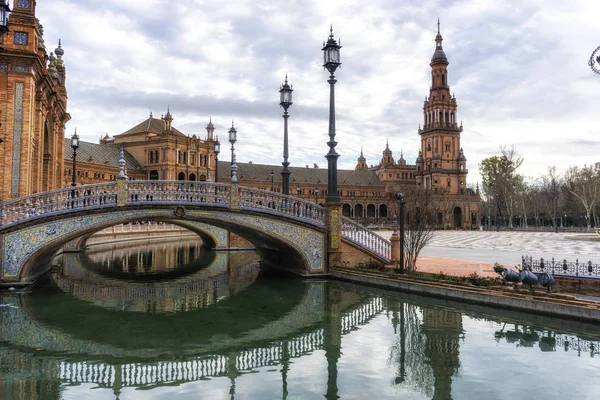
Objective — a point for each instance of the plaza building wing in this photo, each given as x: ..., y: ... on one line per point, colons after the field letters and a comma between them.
x: 98, y: 163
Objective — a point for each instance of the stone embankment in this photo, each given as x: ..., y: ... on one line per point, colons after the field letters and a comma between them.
x: 557, y: 305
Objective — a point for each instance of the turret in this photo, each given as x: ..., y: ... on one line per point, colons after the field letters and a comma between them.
x: 210, y: 129
x: 362, y: 161
x: 168, y: 118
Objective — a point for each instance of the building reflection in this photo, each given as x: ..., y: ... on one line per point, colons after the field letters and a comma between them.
x: 426, y: 352
x: 443, y: 330
x: 153, y: 256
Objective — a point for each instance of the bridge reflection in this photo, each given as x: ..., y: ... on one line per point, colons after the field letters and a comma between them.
x: 216, y: 277
x: 23, y: 371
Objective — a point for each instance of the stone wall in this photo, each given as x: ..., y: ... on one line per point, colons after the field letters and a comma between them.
x: 589, y: 287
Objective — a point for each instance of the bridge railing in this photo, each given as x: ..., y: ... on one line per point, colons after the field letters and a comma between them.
x: 366, y: 238
x: 276, y: 203
x: 206, y: 193
x: 56, y: 201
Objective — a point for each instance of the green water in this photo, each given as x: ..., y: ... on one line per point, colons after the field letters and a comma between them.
x: 217, y: 326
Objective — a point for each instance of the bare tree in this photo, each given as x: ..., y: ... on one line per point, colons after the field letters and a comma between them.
x: 583, y: 184
x: 421, y: 211
x: 501, y: 183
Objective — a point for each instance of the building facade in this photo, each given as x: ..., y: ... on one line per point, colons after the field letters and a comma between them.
x: 35, y: 155
x: 33, y: 107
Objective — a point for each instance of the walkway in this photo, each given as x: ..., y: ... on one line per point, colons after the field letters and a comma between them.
x: 466, y: 252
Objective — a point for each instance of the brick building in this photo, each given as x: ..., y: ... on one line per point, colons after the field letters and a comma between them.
x: 35, y: 152
x: 33, y: 107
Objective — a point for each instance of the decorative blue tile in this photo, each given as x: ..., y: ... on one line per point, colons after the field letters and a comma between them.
x: 3, y: 67
x: 21, y: 38
x: 17, y: 133
x: 19, y: 68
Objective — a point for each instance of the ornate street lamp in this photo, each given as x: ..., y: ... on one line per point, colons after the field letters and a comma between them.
x: 317, y: 196
x: 4, y: 10
x: 272, y: 181
x: 232, y: 139
x: 298, y: 190
x: 331, y: 60
x: 285, y: 101
x: 400, y: 198
x: 217, y: 151
x: 75, y: 146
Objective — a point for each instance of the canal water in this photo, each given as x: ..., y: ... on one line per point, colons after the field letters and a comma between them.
x: 169, y: 319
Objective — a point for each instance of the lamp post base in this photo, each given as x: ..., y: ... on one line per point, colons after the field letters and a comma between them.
x: 334, y: 233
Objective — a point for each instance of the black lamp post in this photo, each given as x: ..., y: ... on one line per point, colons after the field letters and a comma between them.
x: 272, y: 180
x: 232, y: 139
x: 316, y: 195
x: 217, y: 151
x: 75, y: 146
x: 4, y: 10
x: 298, y: 190
x: 331, y: 60
x: 400, y: 198
x: 285, y: 101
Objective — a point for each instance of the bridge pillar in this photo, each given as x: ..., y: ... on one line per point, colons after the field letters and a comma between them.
x: 395, y: 240
x: 234, y: 196
x: 122, y: 194
x: 334, y: 230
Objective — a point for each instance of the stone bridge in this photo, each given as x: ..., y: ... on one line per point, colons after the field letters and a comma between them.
x: 288, y: 232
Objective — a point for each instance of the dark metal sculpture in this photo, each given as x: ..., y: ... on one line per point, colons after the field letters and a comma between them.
x: 594, y: 62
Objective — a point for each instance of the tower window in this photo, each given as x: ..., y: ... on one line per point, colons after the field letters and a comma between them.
x: 443, y: 80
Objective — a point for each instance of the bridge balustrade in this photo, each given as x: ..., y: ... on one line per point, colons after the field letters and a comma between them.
x: 366, y: 238
x: 57, y: 201
x: 207, y: 193
x: 264, y: 200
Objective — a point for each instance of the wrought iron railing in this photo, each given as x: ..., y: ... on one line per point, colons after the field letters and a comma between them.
x: 562, y: 267
x: 57, y: 201
x: 264, y: 200
x: 181, y: 192
x: 366, y: 238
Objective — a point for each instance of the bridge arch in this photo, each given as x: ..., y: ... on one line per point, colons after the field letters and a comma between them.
x: 27, y: 251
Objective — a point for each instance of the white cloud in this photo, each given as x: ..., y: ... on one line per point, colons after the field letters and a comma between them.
x: 518, y: 68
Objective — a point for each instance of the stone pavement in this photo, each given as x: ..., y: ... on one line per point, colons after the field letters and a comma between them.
x: 465, y: 252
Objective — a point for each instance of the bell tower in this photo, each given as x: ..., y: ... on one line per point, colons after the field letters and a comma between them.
x: 441, y: 165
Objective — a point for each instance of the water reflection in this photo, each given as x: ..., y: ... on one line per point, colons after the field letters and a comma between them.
x: 148, y: 259
x: 232, y: 329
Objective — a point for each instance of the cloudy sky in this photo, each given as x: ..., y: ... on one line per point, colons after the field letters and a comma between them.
x: 519, y: 70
